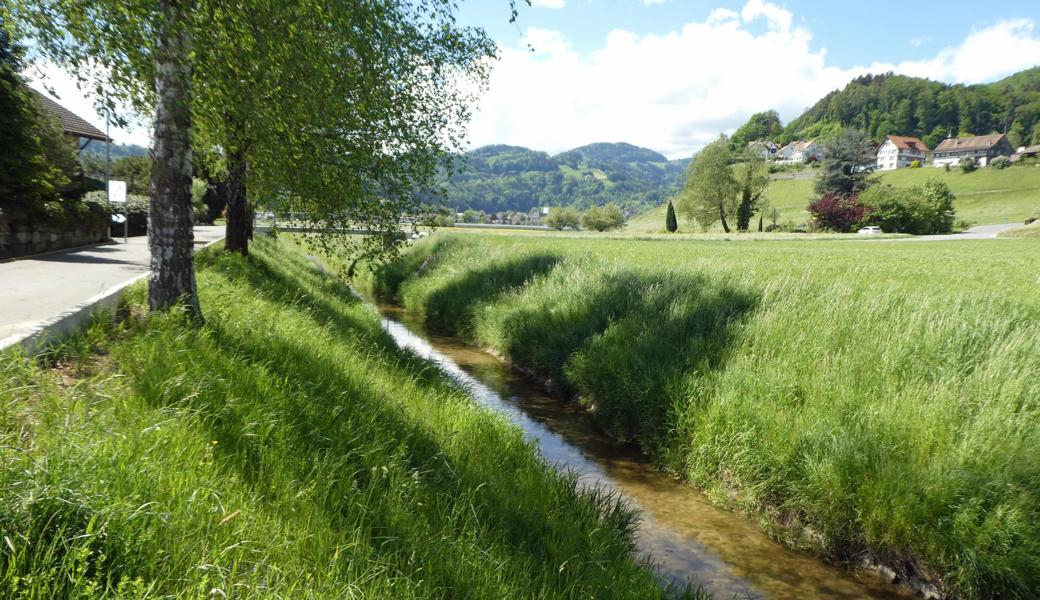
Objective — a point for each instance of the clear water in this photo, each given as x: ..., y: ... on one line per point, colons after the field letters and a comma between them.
x: 681, y: 532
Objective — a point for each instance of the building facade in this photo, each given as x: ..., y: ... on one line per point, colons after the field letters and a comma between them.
x: 981, y: 148
x: 900, y: 151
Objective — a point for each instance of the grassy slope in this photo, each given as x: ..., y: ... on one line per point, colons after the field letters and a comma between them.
x: 883, y: 396
x: 284, y: 450
x: 1028, y: 231
x: 983, y: 197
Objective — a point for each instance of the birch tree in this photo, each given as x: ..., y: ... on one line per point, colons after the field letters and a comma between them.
x: 342, y: 109
x: 139, y: 52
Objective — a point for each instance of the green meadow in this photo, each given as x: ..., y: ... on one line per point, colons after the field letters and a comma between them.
x: 986, y: 196
x: 285, y: 449
x: 851, y: 396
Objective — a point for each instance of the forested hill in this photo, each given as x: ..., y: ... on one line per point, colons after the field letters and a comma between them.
x: 118, y: 150
x: 510, y: 178
x: 899, y: 105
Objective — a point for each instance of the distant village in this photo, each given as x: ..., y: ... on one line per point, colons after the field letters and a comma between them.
x: 898, y: 151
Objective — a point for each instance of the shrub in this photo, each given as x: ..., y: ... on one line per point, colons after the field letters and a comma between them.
x: 135, y: 209
x: 967, y: 164
x: 919, y: 210
x: 915, y: 164
x: 1000, y: 162
x: 562, y: 216
x: 837, y: 213
x: 603, y: 218
x: 946, y: 167
x: 670, y: 222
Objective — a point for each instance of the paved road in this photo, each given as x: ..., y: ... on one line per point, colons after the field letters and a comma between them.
x: 979, y: 232
x: 37, y: 289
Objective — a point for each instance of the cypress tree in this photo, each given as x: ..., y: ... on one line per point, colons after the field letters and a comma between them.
x: 670, y: 223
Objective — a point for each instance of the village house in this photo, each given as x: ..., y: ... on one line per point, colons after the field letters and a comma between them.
x: 981, y: 148
x: 899, y: 151
x: 72, y: 124
x: 764, y: 148
x: 800, y: 151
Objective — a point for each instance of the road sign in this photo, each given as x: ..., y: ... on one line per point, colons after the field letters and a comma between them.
x: 117, y: 191
x: 118, y: 219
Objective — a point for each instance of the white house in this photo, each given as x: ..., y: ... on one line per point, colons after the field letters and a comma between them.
x: 800, y: 151
x: 981, y: 148
x: 899, y: 151
x: 764, y: 148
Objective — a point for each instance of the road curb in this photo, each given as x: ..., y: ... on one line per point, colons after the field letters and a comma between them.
x: 52, y: 331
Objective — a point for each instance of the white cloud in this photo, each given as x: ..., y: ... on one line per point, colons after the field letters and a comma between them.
x: 779, y: 19
x: 549, y: 3
x: 653, y: 2
x: 986, y: 54
x: 675, y: 92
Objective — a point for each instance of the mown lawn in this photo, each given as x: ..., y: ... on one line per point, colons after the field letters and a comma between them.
x: 854, y: 396
x: 286, y: 449
x: 986, y: 196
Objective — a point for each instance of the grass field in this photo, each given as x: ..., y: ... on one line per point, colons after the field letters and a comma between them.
x: 984, y: 197
x: 1027, y: 231
x: 286, y: 449
x: 852, y: 396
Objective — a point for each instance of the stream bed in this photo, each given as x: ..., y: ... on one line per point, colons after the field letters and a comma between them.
x: 682, y: 533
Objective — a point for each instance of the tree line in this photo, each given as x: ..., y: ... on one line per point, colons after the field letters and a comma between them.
x: 888, y: 104
x: 343, y: 110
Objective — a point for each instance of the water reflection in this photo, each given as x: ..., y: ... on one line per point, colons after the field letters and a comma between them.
x: 687, y: 537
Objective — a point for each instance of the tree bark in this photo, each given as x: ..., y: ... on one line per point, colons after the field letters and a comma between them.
x: 760, y: 217
x: 722, y: 215
x: 170, y: 236
x: 239, y: 217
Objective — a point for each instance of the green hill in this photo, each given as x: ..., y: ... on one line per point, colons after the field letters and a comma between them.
x: 511, y: 178
x: 899, y: 105
x: 984, y: 197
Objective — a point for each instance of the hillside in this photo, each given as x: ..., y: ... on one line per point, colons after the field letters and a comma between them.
x: 896, y: 104
x: 118, y: 150
x: 984, y: 197
x: 511, y: 178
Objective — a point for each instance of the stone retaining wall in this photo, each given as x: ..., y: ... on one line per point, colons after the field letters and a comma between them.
x: 25, y: 238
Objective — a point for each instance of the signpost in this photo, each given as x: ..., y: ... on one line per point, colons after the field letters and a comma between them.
x: 117, y: 194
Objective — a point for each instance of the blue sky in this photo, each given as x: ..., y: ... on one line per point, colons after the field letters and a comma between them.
x: 853, y: 32
x: 672, y: 75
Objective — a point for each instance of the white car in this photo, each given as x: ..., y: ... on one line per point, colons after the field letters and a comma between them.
x: 871, y: 230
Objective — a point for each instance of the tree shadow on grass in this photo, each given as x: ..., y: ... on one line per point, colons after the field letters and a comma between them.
x: 633, y: 371
x: 283, y: 409
x: 450, y: 309
x: 625, y: 342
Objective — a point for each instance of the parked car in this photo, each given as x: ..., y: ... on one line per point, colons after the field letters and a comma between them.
x: 871, y: 230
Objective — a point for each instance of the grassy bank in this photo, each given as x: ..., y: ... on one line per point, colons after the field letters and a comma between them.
x: 854, y: 396
x: 284, y: 450
x: 985, y: 196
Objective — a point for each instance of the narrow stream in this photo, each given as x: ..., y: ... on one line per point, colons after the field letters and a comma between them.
x: 687, y: 537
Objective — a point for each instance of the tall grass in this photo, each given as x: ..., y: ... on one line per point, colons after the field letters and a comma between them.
x: 856, y: 396
x: 284, y: 450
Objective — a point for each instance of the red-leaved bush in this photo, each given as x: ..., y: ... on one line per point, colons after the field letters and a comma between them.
x: 838, y: 213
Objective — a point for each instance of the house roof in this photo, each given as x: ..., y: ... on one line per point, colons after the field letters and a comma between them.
x: 979, y: 142
x: 71, y: 123
x: 908, y: 143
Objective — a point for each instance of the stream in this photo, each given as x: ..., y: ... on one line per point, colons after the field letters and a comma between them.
x: 686, y: 537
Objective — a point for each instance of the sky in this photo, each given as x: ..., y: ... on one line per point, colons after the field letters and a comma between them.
x: 672, y: 75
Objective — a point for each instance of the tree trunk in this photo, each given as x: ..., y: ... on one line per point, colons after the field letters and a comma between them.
x: 722, y: 215
x: 171, y: 240
x: 239, y: 219
x: 760, y: 217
